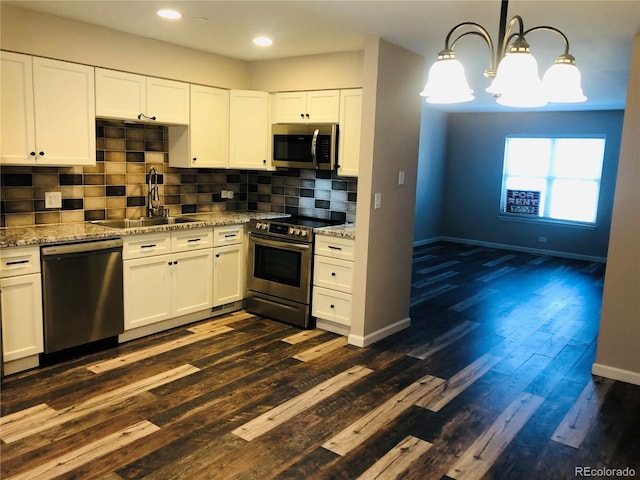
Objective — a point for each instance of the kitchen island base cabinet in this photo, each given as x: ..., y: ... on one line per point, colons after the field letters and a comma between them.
x: 21, y: 301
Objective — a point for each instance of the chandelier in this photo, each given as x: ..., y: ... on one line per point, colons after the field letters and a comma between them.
x: 514, y: 70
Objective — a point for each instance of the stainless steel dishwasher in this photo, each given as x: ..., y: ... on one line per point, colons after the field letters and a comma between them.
x: 82, y: 293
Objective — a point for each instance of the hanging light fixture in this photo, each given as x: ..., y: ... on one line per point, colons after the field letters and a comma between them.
x: 514, y: 70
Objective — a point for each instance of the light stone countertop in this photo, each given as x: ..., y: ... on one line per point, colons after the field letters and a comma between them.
x: 348, y: 230
x: 72, y: 232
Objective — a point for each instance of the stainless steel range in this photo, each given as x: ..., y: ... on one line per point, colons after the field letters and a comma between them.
x: 279, y: 270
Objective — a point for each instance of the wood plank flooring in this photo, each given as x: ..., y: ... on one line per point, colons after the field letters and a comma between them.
x: 491, y: 381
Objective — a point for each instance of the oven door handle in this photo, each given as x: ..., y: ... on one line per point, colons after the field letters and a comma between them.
x: 299, y: 247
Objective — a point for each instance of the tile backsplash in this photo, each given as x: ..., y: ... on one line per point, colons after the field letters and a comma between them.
x: 116, y: 187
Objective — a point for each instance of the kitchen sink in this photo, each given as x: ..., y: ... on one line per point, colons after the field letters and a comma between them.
x: 144, y: 222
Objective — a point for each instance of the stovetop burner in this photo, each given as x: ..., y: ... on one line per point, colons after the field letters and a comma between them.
x: 307, y: 222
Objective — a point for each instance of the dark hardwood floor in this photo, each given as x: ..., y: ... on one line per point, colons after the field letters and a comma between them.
x: 491, y: 381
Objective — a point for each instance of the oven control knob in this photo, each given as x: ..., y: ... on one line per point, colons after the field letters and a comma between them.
x: 297, y: 231
x: 290, y: 230
x: 303, y: 233
x: 258, y: 225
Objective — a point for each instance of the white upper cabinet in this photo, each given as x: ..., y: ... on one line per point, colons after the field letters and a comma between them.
x: 129, y: 96
x: 249, y: 130
x: 205, y: 143
x: 48, y: 112
x: 350, y: 127
x: 321, y: 106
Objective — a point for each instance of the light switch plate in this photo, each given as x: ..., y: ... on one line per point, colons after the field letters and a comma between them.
x: 52, y: 200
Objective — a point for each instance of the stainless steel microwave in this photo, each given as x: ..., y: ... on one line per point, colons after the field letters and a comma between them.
x: 305, y: 145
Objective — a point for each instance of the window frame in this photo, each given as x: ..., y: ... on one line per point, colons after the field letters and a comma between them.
x: 549, y: 178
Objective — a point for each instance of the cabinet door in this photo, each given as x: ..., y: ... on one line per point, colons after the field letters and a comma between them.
x: 168, y: 101
x: 323, y: 106
x: 290, y: 107
x: 147, y: 291
x: 228, y: 274
x: 249, y: 130
x: 192, y: 281
x: 119, y: 94
x: 21, y: 316
x: 17, y: 127
x: 65, y: 119
x: 209, y: 125
x: 350, y: 127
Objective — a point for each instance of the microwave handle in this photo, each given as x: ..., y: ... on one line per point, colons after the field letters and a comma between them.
x: 314, y: 143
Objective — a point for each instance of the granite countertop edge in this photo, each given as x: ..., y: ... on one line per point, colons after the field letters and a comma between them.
x: 348, y: 230
x: 80, y: 231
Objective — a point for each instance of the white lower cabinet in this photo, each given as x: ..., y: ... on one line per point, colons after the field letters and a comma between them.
x: 147, y: 291
x: 333, y: 283
x: 21, y: 287
x: 160, y: 285
x: 229, y: 265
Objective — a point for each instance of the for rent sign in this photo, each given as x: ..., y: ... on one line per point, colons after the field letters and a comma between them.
x: 523, y: 201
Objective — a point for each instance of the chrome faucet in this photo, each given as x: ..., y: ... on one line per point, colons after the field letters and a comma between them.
x: 153, y: 193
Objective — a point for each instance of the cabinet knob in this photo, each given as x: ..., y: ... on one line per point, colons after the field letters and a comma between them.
x: 264, y: 162
x: 217, y: 255
x: 332, y: 306
x: 307, y: 115
x: 302, y: 115
x: 33, y: 154
x: 41, y: 154
x: 176, y: 262
x: 333, y: 274
x: 195, y: 159
x: 170, y: 263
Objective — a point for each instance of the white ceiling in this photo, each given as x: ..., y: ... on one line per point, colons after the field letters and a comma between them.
x: 600, y: 32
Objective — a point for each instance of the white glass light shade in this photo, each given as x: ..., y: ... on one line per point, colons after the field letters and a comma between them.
x: 561, y: 83
x: 447, y: 83
x: 517, y: 82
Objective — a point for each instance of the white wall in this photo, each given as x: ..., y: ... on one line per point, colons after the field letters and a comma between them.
x: 36, y: 33
x: 618, y: 354
x: 384, y: 236
x: 313, y: 72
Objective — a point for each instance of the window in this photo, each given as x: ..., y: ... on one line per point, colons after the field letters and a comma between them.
x: 553, y: 178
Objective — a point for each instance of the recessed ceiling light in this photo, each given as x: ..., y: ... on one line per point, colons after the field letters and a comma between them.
x: 169, y: 14
x: 262, y: 41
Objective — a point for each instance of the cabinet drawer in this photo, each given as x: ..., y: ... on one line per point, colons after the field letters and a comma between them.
x: 195, y: 239
x: 332, y: 305
x: 146, y: 245
x: 336, y: 247
x: 19, y: 261
x: 333, y: 273
x: 228, y: 235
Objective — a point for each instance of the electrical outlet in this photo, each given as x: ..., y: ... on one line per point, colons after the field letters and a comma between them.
x: 52, y: 200
x: 226, y: 194
x: 401, y: 177
x: 377, y: 200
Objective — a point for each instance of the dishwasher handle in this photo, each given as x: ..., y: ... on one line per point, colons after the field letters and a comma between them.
x: 81, y: 247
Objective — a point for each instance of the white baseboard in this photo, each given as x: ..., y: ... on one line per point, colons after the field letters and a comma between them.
x: 614, y: 373
x: 504, y: 246
x: 360, y: 341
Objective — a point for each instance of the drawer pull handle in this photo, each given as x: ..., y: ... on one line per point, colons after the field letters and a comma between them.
x: 230, y: 235
x: 331, y: 247
x: 17, y: 262
x: 192, y: 240
x: 149, y: 246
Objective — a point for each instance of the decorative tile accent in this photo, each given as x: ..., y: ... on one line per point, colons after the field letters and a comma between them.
x: 116, y: 186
